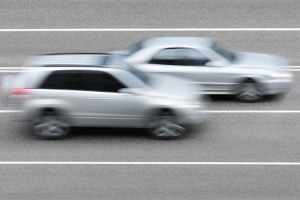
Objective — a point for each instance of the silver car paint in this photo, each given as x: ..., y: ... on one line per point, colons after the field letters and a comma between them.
x: 105, y: 109
x: 219, y: 76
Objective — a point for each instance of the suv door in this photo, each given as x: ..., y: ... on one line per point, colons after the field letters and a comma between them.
x: 62, y: 90
x: 105, y: 105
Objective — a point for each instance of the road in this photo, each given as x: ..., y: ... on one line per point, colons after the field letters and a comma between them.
x: 150, y: 14
x: 223, y: 137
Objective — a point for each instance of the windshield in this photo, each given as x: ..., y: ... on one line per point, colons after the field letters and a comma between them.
x: 135, y: 48
x: 228, y: 55
x: 139, y: 74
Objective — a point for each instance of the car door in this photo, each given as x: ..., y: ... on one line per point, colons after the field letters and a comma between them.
x: 104, y: 105
x: 190, y: 64
x: 61, y: 89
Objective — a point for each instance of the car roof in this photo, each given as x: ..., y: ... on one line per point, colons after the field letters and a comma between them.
x: 77, y: 59
x: 178, y: 41
x: 122, y: 74
x: 50, y: 69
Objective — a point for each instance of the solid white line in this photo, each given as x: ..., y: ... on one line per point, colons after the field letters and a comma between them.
x: 142, y: 29
x: 10, y: 111
x: 254, y: 111
x: 216, y: 111
x: 9, y: 68
x: 147, y: 163
x: 9, y: 71
x: 2, y: 69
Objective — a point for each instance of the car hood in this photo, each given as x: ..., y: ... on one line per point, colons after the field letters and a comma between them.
x: 256, y: 60
x: 173, y: 87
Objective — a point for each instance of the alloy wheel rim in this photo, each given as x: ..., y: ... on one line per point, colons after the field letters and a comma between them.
x: 166, y: 126
x: 249, y: 91
x: 51, y: 126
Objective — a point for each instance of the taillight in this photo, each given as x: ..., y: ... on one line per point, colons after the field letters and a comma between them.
x: 20, y: 91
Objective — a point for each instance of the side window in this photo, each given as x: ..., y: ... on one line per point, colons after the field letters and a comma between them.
x: 99, y: 82
x: 179, y: 56
x: 62, y: 80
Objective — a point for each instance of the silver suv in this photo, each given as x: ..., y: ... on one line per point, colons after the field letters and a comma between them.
x: 56, y: 99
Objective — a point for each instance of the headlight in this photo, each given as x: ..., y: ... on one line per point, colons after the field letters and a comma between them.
x: 281, y: 75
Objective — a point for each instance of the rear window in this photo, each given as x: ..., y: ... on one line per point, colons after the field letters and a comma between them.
x: 99, y: 82
x: 62, y: 80
x: 84, y: 80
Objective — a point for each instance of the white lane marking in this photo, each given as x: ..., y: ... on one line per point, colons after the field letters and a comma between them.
x: 9, y: 71
x: 10, y: 111
x: 216, y: 111
x: 9, y: 68
x: 141, y: 29
x: 146, y: 163
x: 253, y: 111
x: 18, y: 69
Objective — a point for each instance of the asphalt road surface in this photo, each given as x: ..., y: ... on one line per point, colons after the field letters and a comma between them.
x: 222, y: 137
x: 149, y: 14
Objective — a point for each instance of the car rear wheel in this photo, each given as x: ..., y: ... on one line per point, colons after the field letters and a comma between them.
x: 49, y: 125
x: 164, y: 125
x: 249, y: 91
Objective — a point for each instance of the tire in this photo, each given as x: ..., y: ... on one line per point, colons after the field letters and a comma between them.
x: 49, y: 125
x: 249, y: 91
x: 164, y: 125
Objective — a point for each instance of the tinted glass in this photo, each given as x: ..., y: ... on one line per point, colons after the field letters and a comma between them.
x: 223, y: 52
x: 179, y: 56
x: 99, y: 81
x: 62, y: 80
x: 138, y: 73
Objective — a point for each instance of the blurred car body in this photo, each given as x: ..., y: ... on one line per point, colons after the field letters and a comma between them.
x: 75, y: 59
x: 249, y: 76
x: 57, y: 98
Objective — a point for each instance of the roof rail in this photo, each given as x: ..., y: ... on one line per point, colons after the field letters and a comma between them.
x: 50, y: 54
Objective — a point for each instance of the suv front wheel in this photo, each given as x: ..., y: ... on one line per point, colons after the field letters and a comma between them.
x: 164, y: 125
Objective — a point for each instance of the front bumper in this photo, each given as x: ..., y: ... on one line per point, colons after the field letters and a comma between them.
x: 277, y: 86
x: 192, y: 116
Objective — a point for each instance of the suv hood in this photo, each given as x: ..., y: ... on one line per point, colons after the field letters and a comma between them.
x: 256, y: 60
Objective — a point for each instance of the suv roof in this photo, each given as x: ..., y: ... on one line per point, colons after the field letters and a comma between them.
x: 74, y: 59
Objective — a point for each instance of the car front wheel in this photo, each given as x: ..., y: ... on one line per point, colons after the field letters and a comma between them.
x: 249, y: 91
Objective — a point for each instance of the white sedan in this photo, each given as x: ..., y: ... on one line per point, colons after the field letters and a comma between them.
x: 248, y: 76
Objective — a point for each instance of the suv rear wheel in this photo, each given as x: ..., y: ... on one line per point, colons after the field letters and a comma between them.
x: 49, y: 125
